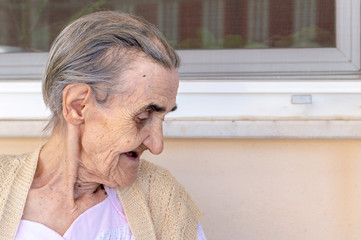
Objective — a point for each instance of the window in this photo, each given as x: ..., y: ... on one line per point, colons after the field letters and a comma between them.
x: 31, y: 26
x: 258, y: 38
x: 248, y: 79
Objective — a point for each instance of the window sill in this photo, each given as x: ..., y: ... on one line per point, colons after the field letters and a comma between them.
x: 323, y: 129
x: 220, y: 109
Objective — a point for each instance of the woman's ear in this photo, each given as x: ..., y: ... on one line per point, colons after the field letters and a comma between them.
x: 76, y: 98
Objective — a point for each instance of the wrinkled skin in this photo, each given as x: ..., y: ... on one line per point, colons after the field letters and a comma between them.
x: 113, y: 134
x: 100, y: 143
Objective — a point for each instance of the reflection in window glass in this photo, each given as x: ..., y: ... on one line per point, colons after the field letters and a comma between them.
x: 32, y: 25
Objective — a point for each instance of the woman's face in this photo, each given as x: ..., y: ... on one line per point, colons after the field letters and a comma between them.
x: 114, y: 135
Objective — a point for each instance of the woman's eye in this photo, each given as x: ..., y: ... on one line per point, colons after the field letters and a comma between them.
x: 143, y: 117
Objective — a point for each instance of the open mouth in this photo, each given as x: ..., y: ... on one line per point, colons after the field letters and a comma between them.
x: 132, y: 154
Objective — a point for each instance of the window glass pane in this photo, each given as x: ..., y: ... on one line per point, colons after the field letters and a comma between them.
x: 31, y: 26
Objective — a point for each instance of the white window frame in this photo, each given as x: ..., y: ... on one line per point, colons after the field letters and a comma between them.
x: 341, y: 61
x: 231, y: 93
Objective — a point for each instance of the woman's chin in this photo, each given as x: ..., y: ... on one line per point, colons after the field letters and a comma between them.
x: 124, y: 181
x: 126, y: 171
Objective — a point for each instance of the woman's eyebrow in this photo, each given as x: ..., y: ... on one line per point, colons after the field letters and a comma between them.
x: 151, y: 107
x: 155, y: 108
x: 174, y: 108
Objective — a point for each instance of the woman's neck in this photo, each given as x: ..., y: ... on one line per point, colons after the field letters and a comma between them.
x: 59, y: 167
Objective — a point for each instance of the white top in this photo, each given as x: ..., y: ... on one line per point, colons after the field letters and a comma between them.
x: 104, y: 221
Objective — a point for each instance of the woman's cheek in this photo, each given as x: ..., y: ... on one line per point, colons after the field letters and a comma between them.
x: 95, y: 142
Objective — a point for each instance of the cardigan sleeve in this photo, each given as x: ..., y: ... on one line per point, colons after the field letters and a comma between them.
x: 16, y: 175
x: 173, y: 212
x: 157, y: 207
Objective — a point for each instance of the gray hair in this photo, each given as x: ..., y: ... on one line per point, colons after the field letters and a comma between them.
x: 95, y: 50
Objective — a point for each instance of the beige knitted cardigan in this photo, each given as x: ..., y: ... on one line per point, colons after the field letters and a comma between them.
x: 156, y: 205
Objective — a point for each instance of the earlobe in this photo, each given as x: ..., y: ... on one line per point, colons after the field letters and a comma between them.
x: 76, y: 98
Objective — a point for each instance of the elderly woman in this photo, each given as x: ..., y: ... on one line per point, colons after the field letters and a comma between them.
x: 110, y: 80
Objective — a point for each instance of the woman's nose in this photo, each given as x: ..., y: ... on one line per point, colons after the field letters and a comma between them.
x: 154, y: 141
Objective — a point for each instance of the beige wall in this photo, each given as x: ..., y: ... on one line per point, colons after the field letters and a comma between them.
x: 264, y: 189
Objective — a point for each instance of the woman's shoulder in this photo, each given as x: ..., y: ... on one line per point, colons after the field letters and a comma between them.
x: 154, y: 177
x: 158, y: 184
x: 9, y: 164
x: 12, y: 166
x: 10, y: 170
x: 171, y: 206
x: 148, y: 169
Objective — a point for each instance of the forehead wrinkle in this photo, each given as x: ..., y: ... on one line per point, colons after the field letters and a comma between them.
x: 136, y: 87
x: 141, y: 92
